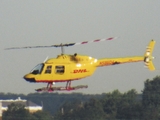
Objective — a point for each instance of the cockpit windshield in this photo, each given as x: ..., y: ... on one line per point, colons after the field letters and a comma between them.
x: 37, y: 69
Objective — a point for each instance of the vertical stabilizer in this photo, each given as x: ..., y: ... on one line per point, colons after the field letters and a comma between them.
x: 148, y: 56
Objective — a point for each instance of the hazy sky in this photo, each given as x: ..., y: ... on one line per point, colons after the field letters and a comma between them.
x: 47, y: 22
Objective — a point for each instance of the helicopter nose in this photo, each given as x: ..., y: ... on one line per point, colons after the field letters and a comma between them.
x: 29, y: 78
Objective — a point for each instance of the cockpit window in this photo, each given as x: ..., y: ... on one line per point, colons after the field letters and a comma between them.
x: 37, y: 69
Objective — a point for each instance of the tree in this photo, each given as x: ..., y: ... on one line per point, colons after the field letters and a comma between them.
x: 111, y: 103
x: 91, y: 110
x: 151, y: 99
x: 129, y: 108
x: 122, y: 106
x: 42, y: 115
x: 16, y: 112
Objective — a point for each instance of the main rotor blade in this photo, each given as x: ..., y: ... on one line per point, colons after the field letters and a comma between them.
x: 61, y: 45
x: 98, y: 40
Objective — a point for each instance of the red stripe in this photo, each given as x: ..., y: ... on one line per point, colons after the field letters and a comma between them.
x: 84, y: 42
x: 109, y: 38
x: 47, y: 81
x: 96, y: 40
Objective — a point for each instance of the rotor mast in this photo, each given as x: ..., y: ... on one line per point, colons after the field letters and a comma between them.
x: 62, y: 49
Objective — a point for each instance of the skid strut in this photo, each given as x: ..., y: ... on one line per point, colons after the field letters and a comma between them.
x: 68, y: 87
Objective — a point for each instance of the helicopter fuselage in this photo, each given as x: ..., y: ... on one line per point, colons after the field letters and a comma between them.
x: 63, y: 68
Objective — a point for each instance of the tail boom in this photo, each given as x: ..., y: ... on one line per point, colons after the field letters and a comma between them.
x: 147, y: 58
x: 115, y: 61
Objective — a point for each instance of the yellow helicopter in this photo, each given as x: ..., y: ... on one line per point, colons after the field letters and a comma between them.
x: 67, y: 68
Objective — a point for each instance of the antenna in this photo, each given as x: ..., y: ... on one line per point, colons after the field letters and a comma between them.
x: 45, y: 59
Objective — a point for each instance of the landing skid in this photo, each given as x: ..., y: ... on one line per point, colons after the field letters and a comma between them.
x: 68, y: 87
x: 51, y: 89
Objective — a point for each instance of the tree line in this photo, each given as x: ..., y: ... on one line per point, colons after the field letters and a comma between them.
x: 107, y: 106
x: 117, y: 105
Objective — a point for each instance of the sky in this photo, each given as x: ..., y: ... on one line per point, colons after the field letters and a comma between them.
x: 39, y: 22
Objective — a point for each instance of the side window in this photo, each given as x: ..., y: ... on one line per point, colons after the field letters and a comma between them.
x: 48, y: 70
x: 59, y: 69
